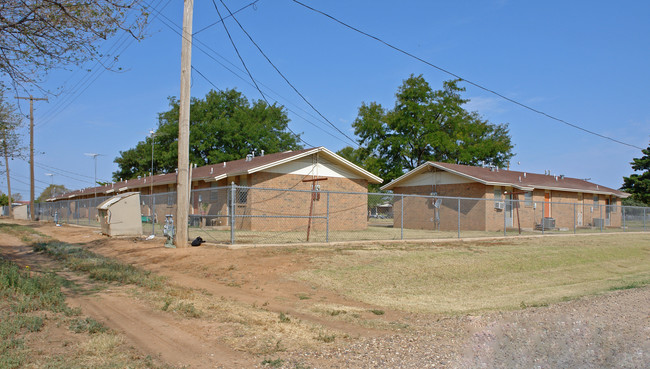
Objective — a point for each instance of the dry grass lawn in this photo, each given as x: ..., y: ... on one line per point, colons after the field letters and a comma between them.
x: 467, y: 277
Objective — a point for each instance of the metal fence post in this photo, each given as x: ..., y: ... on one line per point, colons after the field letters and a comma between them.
x: 623, y: 215
x: 327, y: 222
x: 644, y: 209
x: 153, y: 214
x: 543, y: 206
x: 458, y: 218
x: 233, y: 194
x: 402, y: 219
x: 601, y: 217
x: 505, y: 211
x: 574, y: 218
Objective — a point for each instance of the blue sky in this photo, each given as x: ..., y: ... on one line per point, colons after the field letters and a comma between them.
x: 582, y: 61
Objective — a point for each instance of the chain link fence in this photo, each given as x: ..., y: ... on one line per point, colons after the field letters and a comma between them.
x: 249, y: 215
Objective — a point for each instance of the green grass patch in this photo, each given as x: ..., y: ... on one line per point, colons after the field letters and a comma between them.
x: 88, y: 325
x: 98, y: 267
x: 273, y: 363
x: 22, y: 297
x: 459, y: 278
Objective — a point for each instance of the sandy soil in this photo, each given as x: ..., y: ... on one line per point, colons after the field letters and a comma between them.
x: 610, y: 330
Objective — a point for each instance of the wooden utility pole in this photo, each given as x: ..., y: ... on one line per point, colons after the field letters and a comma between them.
x: 314, y: 197
x: 182, y: 184
x: 31, y: 151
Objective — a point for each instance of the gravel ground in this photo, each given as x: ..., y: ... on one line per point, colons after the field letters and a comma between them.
x: 605, y: 331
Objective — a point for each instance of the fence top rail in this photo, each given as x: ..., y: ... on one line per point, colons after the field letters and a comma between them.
x: 389, y: 196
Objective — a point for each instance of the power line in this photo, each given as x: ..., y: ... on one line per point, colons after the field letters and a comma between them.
x: 238, y: 54
x: 167, y: 23
x: 220, y: 90
x: 281, y: 74
x: 43, y: 166
x: 244, y: 64
x: 217, y: 22
x: 464, y: 79
x: 85, y: 82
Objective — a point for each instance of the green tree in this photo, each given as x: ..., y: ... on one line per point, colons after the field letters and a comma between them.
x: 4, y: 199
x: 224, y: 126
x: 10, y: 140
x: 639, y: 184
x: 38, y: 35
x: 51, y: 191
x: 426, y: 125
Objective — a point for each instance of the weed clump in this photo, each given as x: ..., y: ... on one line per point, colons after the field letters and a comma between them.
x: 89, y: 325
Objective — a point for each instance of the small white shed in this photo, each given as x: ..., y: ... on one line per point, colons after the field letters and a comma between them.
x: 20, y: 212
x: 120, y: 215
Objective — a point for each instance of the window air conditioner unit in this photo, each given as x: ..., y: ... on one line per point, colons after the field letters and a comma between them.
x: 500, y: 205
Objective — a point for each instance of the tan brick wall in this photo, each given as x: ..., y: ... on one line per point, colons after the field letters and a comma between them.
x: 347, y: 211
x: 419, y: 212
x: 483, y: 216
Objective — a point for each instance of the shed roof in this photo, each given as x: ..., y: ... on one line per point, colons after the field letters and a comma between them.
x: 516, y: 179
x: 222, y: 170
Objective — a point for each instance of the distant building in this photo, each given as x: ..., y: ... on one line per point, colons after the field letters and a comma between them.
x: 583, y: 203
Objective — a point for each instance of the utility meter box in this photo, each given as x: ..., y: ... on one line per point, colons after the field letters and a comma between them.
x: 120, y: 215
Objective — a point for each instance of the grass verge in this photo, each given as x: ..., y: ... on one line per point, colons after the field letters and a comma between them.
x: 468, y: 277
x: 32, y: 306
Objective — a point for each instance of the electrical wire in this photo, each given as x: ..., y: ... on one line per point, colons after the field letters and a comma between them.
x: 199, y: 45
x: 281, y: 74
x: 85, y: 82
x: 220, y: 90
x: 217, y: 22
x: 232, y: 42
x: 464, y: 79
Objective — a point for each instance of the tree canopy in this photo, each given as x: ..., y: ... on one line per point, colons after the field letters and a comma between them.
x: 224, y: 126
x: 38, y: 35
x: 51, y: 191
x: 10, y: 122
x: 10, y: 140
x: 639, y: 184
x: 425, y: 125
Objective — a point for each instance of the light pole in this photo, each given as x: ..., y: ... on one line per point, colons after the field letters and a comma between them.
x: 52, y: 191
x: 94, y: 156
x: 153, y: 198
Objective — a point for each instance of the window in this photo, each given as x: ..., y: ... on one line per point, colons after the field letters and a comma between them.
x: 214, y: 193
x: 497, y: 194
x: 595, y: 200
x: 242, y: 193
x: 528, y: 198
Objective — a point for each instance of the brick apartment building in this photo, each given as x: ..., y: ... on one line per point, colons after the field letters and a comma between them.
x: 287, y: 170
x: 554, y: 201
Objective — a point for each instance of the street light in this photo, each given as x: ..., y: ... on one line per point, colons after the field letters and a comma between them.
x: 94, y: 156
x: 52, y: 191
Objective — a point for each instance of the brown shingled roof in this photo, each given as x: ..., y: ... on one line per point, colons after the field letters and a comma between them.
x: 216, y: 172
x: 516, y: 179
